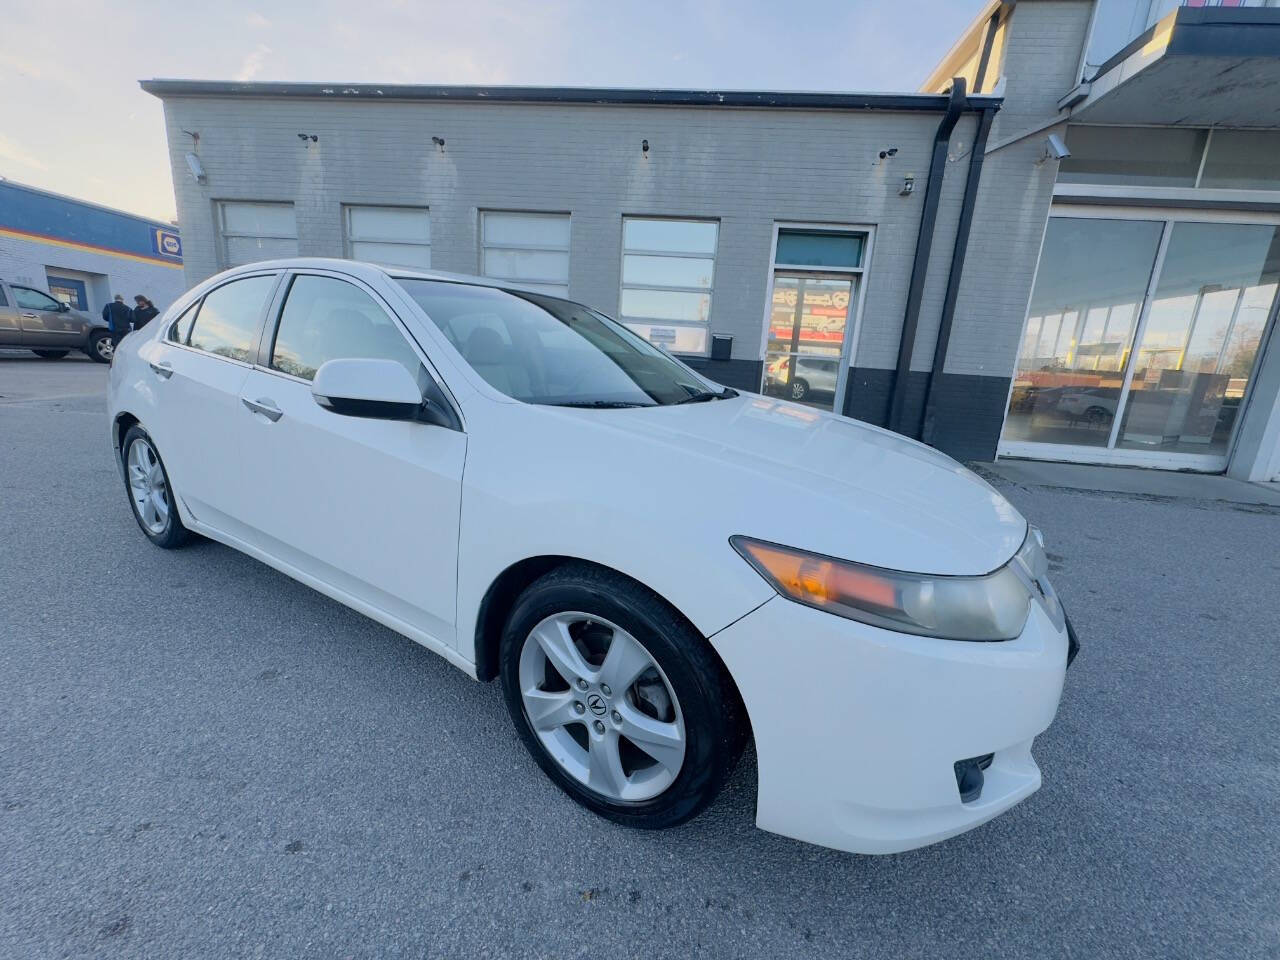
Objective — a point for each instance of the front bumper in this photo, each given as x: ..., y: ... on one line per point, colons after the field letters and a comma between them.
x: 858, y: 729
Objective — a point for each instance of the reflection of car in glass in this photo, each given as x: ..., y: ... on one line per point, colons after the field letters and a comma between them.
x: 813, y: 376
x: 31, y: 319
x: 1095, y: 407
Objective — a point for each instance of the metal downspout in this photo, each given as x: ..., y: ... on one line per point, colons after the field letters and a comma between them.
x: 924, y: 244
x: 956, y: 272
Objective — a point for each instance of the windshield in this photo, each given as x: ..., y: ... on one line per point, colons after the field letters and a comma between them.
x: 542, y: 349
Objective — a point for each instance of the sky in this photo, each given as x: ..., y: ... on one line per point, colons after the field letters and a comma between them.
x: 73, y: 119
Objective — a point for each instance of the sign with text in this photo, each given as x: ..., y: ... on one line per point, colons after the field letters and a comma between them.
x: 166, y: 243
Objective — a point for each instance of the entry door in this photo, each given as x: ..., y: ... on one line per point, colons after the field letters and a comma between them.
x: 367, y: 506
x: 808, y: 331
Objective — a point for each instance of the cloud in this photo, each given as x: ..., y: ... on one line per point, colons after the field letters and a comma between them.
x: 258, y: 21
x: 14, y: 154
x: 253, y: 63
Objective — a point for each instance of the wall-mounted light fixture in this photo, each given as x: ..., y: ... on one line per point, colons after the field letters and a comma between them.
x: 908, y: 185
x: 196, y: 168
x: 889, y: 152
x: 644, y: 147
x: 438, y: 141
x: 304, y: 137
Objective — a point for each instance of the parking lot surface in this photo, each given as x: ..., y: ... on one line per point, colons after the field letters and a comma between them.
x: 202, y: 758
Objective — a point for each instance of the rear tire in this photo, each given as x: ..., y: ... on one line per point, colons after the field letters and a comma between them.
x: 150, y: 496
x: 799, y: 390
x: 50, y: 354
x: 682, y: 698
x: 101, y: 347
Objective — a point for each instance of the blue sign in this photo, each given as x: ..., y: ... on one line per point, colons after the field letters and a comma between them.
x: 167, y: 243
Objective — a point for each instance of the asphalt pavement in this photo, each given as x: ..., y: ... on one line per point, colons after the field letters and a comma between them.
x: 202, y: 758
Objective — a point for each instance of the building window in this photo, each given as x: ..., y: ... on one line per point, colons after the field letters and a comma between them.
x: 257, y: 231
x: 531, y: 249
x: 667, y: 272
x: 70, y: 291
x: 394, y: 236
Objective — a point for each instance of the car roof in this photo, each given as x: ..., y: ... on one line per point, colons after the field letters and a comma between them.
x: 364, y: 268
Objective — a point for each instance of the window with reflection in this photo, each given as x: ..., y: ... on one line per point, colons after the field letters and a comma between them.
x: 1088, y: 296
x: 667, y: 269
x: 1205, y: 326
x: 227, y: 321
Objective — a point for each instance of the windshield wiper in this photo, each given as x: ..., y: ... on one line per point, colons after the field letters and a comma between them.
x: 603, y: 404
x: 703, y: 395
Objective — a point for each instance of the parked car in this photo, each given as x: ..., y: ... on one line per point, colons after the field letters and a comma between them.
x: 815, y: 378
x: 47, y: 327
x: 1096, y: 406
x: 539, y: 495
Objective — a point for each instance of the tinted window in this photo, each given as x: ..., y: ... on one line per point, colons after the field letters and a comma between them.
x: 227, y: 323
x: 328, y: 319
x: 34, y: 299
x: 541, y: 349
x: 3, y: 300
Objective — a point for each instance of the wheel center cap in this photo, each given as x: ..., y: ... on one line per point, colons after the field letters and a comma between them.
x: 597, y: 705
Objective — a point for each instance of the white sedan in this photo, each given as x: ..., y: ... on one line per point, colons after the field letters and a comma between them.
x: 657, y: 568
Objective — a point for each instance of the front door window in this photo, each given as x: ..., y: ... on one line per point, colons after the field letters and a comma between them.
x: 1141, y: 338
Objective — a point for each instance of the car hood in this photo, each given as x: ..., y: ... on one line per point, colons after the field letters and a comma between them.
x: 779, y: 471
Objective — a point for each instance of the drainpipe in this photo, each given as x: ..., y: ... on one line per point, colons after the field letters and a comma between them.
x: 924, y: 244
x: 956, y: 271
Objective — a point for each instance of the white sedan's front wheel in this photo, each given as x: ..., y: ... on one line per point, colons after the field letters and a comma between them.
x: 619, y: 700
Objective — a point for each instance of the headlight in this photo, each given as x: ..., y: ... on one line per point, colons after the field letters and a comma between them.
x: 990, y: 607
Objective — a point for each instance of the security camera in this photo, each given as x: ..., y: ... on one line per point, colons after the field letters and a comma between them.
x: 1055, y: 148
x: 196, y: 168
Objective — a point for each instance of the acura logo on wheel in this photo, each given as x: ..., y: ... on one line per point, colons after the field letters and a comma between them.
x: 597, y: 705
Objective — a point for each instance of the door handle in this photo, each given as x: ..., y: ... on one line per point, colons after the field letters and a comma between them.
x: 161, y: 368
x: 265, y: 407
x: 32, y: 316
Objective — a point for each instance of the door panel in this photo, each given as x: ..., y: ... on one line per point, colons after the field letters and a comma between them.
x: 198, y: 428
x: 368, y: 506
x: 44, y: 323
x: 10, y: 328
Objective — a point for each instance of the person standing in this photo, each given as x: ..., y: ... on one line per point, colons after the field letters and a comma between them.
x: 143, y: 312
x: 118, y: 317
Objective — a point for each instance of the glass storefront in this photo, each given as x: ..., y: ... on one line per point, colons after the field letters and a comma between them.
x: 1141, y: 338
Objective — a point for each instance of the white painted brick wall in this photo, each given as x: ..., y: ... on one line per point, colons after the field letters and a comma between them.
x: 748, y: 168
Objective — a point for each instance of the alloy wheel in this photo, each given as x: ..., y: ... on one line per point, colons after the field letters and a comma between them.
x: 147, y: 486
x: 105, y: 348
x: 601, y: 706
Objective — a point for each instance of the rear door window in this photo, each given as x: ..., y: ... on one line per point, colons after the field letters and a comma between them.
x: 229, y: 318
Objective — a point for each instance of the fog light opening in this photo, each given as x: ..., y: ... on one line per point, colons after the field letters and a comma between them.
x: 969, y: 777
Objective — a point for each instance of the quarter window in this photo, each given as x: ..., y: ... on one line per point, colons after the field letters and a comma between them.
x: 667, y: 272
x: 531, y: 249
x: 180, y: 329
x: 257, y: 231
x: 227, y: 323
x: 329, y: 319
x: 395, y: 236
x: 34, y: 299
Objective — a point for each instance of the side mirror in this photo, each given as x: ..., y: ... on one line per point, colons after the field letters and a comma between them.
x: 381, y: 389
x: 64, y: 307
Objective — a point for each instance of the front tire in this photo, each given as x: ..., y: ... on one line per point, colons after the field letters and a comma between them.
x: 50, y: 354
x: 619, y: 700
x: 101, y: 347
x: 150, y: 495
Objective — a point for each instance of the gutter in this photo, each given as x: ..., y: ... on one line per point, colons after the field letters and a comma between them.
x: 924, y: 245
x: 956, y: 272
x: 607, y: 96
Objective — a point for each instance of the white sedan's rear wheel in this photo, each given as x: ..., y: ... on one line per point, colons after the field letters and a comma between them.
x: 621, y: 702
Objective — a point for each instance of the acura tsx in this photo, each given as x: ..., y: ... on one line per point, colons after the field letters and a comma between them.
x: 657, y: 568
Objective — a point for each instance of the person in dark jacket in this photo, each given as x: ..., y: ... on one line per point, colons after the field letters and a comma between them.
x: 143, y: 311
x: 118, y: 318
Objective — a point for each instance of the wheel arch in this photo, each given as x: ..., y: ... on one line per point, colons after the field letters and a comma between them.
x: 123, y: 421
x: 501, y: 596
